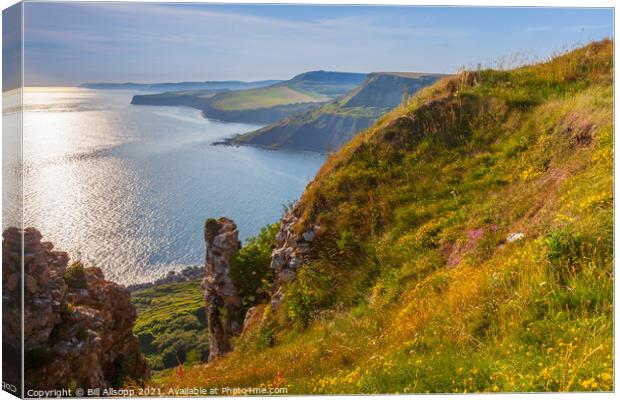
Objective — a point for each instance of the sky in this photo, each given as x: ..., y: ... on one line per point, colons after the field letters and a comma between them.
x: 71, y: 43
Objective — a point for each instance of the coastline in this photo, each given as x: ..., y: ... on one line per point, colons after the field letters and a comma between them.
x: 184, y: 275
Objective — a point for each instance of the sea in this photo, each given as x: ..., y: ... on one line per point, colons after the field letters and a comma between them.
x: 127, y: 188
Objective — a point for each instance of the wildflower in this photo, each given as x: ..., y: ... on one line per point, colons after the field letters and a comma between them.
x: 180, y: 371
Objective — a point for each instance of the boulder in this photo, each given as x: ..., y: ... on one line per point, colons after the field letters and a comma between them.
x: 515, y: 236
x: 308, y: 236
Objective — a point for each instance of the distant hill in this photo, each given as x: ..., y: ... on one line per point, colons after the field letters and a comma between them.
x: 266, y: 104
x: 326, y: 83
x: 334, y: 124
x: 169, y: 86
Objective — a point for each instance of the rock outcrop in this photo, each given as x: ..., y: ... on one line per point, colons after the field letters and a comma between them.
x: 223, y: 303
x: 291, y: 252
x: 77, y: 326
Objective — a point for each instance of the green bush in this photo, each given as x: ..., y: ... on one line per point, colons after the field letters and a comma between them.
x: 250, y: 267
x: 75, y: 277
x: 66, y: 309
x: 310, y: 292
x: 265, y: 337
x: 194, y: 356
x: 211, y: 226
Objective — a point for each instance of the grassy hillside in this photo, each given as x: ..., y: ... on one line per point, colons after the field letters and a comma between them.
x: 263, y: 98
x: 171, y: 324
x: 265, y: 104
x: 466, y: 245
x: 326, y: 83
x: 329, y: 127
x: 189, y: 98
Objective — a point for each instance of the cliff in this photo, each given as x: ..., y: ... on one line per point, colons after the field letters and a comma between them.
x: 204, y: 101
x: 318, y: 131
x: 261, y: 105
x: 331, y: 126
x: 463, y: 243
x: 77, y: 325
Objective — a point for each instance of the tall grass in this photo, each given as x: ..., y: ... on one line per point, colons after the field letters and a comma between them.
x: 417, y: 288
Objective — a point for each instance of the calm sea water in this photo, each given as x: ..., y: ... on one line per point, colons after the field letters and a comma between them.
x: 127, y: 188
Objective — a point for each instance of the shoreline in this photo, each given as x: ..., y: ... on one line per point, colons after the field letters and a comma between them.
x: 184, y: 275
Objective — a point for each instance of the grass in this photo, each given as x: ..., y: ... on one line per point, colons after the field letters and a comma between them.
x: 262, y: 98
x: 171, y: 324
x: 414, y: 286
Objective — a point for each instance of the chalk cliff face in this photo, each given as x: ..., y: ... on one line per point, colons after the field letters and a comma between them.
x: 223, y: 303
x: 77, y: 326
x: 311, y: 131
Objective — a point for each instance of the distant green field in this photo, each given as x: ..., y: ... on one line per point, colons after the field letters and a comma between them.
x: 171, y: 324
x: 263, y: 98
x: 203, y: 94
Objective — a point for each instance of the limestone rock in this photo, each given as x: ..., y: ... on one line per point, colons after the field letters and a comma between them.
x: 308, y: 236
x: 515, y: 236
x: 287, y: 275
x: 79, y: 335
x: 291, y: 252
x: 223, y: 303
x: 253, y: 318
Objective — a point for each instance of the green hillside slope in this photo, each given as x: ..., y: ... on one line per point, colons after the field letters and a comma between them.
x: 171, y: 324
x: 325, y: 83
x: 263, y: 98
x: 465, y: 245
x: 329, y: 127
x: 263, y: 104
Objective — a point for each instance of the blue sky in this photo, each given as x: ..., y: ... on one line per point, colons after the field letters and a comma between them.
x: 70, y: 43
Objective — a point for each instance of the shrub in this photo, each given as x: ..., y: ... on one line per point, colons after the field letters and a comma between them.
x: 211, y: 226
x: 194, y: 356
x: 309, y: 293
x: 66, y: 309
x: 265, y: 337
x: 75, y: 277
x: 250, y: 267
